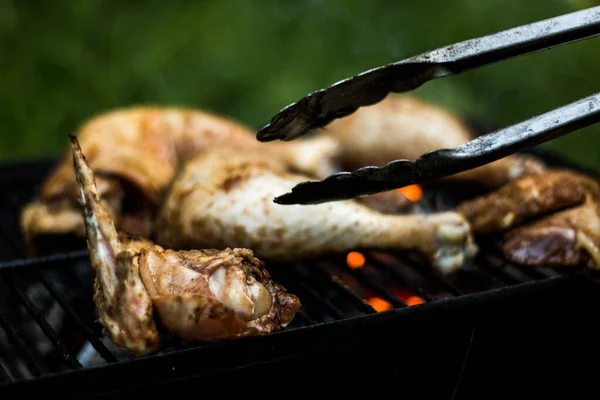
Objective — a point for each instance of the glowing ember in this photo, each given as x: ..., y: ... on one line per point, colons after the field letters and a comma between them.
x: 354, y: 259
x: 414, y: 300
x: 378, y: 304
x: 412, y: 192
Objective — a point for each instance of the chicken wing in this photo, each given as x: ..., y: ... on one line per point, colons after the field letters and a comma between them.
x: 567, y: 238
x: 403, y: 127
x: 135, y: 153
x: 528, y: 197
x: 225, y: 198
x: 197, y: 295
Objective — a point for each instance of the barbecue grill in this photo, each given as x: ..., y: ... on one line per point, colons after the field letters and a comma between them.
x: 390, y: 321
x: 383, y: 320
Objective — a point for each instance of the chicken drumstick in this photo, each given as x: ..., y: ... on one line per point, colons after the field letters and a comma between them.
x: 225, y: 198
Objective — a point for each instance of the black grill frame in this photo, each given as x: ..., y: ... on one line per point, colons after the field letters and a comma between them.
x: 521, y: 317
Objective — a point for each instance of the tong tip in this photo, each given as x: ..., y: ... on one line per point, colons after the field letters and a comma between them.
x: 294, y: 120
x: 284, y: 199
x: 348, y: 185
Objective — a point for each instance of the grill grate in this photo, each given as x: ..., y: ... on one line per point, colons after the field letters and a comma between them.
x: 47, y: 316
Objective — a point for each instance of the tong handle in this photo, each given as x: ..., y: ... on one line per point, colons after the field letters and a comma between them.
x: 343, y: 98
x: 444, y: 162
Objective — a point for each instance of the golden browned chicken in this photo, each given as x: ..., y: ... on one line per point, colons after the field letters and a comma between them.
x: 404, y: 127
x: 528, y: 197
x: 567, y: 238
x: 197, y: 295
x: 135, y: 153
x: 224, y: 198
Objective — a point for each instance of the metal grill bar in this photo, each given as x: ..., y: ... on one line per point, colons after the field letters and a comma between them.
x: 353, y: 297
x: 434, y: 276
x: 4, y: 376
x: 104, y: 352
x: 69, y: 358
x: 326, y: 303
x: 498, y: 269
x: 372, y: 284
x: 517, y: 272
x: 289, y: 276
x: 398, y: 277
x: 45, y: 261
x: 304, y: 318
x: 532, y: 273
x: 34, y: 365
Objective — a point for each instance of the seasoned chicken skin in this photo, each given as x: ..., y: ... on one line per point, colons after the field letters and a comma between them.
x: 404, y: 127
x: 135, y: 153
x: 567, y: 238
x: 197, y: 295
x: 224, y: 198
x: 528, y: 197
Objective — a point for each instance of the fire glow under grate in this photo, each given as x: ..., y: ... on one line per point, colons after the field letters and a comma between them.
x: 48, y: 319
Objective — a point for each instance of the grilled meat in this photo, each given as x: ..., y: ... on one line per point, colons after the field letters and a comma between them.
x: 528, y: 197
x: 403, y: 127
x: 567, y: 238
x: 197, y: 295
x: 135, y: 153
x: 389, y: 202
x: 224, y: 198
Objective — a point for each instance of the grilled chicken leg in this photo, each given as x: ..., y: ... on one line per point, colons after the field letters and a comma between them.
x: 567, y: 238
x: 528, y: 197
x: 225, y: 198
x: 198, y: 295
x: 135, y: 152
x: 402, y: 127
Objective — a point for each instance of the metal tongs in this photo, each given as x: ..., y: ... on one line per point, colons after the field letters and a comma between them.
x: 343, y: 98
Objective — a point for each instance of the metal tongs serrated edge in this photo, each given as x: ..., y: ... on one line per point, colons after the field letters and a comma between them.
x: 343, y: 98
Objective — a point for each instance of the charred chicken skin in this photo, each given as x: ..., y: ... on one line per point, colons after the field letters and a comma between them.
x: 567, y: 238
x: 225, y: 198
x: 197, y: 295
x: 528, y: 197
x: 404, y: 127
x: 135, y: 152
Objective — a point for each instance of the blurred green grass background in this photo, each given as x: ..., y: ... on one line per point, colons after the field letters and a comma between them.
x: 63, y: 61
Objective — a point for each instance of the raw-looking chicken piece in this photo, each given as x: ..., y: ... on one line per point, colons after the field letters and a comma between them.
x: 196, y: 295
x: 135, y: 153
x: 404, y: 127
x: 567, y: 238
x: 528, y: 197
x: 225, y: 198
